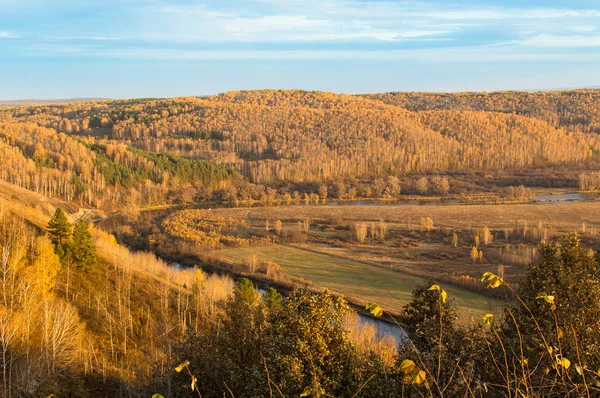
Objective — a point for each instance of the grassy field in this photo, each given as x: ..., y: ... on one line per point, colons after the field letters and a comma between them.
x: 388, y: 288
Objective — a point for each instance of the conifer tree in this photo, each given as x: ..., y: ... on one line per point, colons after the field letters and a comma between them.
x: 83, y: 247
x: 59, y: 228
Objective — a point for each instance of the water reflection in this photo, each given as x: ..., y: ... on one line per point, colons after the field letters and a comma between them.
x: 383, y: 328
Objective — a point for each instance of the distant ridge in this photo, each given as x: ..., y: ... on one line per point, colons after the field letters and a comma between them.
x: 27, y: 102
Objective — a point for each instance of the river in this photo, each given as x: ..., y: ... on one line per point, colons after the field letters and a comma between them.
x: 384, y: 328
x: 537, y: 199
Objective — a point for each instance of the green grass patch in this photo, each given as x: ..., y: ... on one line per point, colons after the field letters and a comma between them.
x: 390, y: 289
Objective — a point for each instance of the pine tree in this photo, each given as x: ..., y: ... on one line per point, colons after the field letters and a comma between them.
x: 59, y: 228
x: 83, y: 247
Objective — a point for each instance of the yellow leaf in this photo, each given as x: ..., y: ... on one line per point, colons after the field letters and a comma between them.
x: 579, y: 370
x: 181, y: 366
x: 492, y: 281
x: 154, y: 396
x: 407, y: 366
x: 560, y: 333
x: 524, y: 361
x: 547, y: 298
x: 443, y: 296
x: 194, y: 380
x: 419, y: 377
x: 564, y: 362
x: 307, y: 391
x: 487, y: 319
x: 485, y: 276
x: 434, y: 287
x: 374, y: 309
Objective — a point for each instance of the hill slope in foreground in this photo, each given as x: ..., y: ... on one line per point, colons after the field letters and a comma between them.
x: 97, y: 332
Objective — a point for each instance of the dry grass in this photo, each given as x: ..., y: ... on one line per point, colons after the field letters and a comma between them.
x: 564, y: 217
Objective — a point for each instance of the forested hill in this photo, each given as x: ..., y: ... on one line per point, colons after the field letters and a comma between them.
x: 292, y: 140
x: 578, y: 110
x: 30, y: 102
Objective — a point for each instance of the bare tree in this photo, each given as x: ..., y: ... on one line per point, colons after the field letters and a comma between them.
x: 251, y: 263
x: 306, y: 224
x: 62, y: 334
x: 426, y: 224
x: 360, y: 230
x: 454, y: 239
x: 486, y: 236
x: 382, y: 229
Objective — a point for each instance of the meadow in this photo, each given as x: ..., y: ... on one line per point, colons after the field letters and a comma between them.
x: 356, y: 280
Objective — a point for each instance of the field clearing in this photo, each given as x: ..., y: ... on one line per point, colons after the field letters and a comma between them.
x: 564, y: 217
x: 355, y: 279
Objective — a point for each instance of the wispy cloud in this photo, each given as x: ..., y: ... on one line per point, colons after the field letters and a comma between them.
x: 199, y: 23
x: 507, y: 52
x: 7, y: 35
x: 470, y: 14
x: 383, y: 44
x: 81, y: 38
x: 552, y: 41
x: 301, y: 29
x: 265, y: 21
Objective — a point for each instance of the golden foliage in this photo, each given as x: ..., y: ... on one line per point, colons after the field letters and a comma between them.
x: 207, y: 230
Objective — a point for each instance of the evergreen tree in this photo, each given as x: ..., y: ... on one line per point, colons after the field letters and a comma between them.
x: 83, y: 248
x: 273, y: 299
x: 59, y: 228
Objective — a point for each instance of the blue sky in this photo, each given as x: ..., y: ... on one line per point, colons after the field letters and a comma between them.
x: 165, y: 48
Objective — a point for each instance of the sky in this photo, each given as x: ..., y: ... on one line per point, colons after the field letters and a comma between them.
x: 53, y: 49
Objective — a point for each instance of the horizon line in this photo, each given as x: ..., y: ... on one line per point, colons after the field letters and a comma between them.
x: 48, y: 101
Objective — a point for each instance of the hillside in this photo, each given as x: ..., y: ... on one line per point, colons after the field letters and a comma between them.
x: 576, y: 110
x: 30, y: 102
x: 152, y: 152
x: 98, y: 332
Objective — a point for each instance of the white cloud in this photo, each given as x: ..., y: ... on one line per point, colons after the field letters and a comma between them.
x: 7, y: 35
x: 81, y: 38
x: 335, y: 20
x: 290, y: 21
x: 452, y: 54
x: 464, y: 14
x: 553, y: 41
